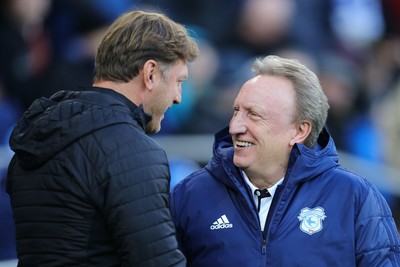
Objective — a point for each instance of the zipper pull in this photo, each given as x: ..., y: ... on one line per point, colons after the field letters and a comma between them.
x: 264, y: 247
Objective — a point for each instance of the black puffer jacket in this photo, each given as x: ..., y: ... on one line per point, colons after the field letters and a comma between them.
x: 88, y: 187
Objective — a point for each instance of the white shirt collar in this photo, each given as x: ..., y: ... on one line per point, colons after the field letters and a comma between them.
x: 271, y: 190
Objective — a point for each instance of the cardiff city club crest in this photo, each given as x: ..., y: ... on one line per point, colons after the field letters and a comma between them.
x: 311, y: 220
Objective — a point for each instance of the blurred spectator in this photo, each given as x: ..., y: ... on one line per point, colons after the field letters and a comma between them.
x: 382, y: 68
x: 76, y: 30
x: 311, y: 30
x: 179, y: 118
x: 23, y: 45
x: 391, y: 16
x: 218, y: 19
x: 264, y: 25
x: 25, y: 48
x: 41, y: 40
x: 340, y: 79
x: 357, y: 23
x: 387, y: 113
x: 9, y: 113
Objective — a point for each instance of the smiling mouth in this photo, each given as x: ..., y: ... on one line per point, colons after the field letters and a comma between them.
x: 242, y: 144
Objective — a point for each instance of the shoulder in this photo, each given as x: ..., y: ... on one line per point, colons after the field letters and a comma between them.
x: 125, y: 136
x: 342, y: 176
x: 198, y: 180
x: 365, y: 194
x: 194, y: 187
x: 125, y: 150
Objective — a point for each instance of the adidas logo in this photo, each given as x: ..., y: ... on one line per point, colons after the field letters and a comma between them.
x: 221, y: 223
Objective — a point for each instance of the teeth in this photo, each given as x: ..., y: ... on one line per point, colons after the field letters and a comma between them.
x: 243, y: 144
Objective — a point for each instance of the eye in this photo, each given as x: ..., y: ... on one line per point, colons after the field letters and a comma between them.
x: 235, y: 110
x: 252, y: 113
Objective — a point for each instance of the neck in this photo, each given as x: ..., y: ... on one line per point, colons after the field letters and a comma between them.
x: 262, y: 182
x: 126, y: 89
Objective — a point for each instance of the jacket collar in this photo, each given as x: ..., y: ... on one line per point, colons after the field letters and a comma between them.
x: 138, y: 113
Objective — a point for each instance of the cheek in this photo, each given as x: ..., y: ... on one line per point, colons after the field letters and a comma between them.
x: 274, y: 138
x: 281, y: 128
x: 166, y: 93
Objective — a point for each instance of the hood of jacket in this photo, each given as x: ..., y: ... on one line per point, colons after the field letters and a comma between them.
x: 51, y: 124
x: 304, y: 163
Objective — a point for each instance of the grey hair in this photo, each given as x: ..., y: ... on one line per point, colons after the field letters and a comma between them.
x: 312, y: 103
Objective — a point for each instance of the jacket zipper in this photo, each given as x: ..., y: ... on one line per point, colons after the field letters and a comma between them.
x: 264, y: 246
x: 263, y: 251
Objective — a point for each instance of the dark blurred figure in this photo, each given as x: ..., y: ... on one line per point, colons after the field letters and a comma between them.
x: 25, y: 47
x: 238, y: 28
x: 10, y: 111
x: 76, y: 29
x: 24, y: 54
x: 43, y: 40
x: 388, y: 111
x: 391, y: 12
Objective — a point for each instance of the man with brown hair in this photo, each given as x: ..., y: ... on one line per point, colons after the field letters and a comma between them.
x: 88, y: 187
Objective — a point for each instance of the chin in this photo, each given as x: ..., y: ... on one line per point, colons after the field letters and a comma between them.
x: 238, y: 163
x: 152, y: 127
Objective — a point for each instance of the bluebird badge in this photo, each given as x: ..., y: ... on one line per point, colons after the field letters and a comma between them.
x: 311, y: 220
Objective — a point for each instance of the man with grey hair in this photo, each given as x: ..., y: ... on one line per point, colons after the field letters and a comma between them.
x: 276, y: 194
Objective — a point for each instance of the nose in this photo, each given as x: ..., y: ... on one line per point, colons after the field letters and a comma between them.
x: 237, y: 125
x: 178, y: 97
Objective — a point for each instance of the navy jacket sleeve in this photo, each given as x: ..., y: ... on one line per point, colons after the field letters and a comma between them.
x: 377, y: 238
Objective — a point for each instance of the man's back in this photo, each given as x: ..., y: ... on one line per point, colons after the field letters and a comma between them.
x: 78, y: 186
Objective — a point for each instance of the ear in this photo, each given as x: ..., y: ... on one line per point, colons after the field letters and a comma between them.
x: 149, y: 69
x: 302, y: 132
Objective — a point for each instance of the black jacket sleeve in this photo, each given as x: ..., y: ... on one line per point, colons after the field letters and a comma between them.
x: 136, y: 204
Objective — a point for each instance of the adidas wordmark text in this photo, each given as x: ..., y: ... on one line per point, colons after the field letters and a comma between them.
x: 221, y: 223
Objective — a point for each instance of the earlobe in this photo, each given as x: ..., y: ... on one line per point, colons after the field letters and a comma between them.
x: 303, y: 131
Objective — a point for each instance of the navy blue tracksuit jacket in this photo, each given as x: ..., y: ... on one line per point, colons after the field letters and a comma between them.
x: 321, y: 215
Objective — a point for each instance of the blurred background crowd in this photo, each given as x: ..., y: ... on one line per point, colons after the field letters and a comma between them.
x: 352, y: 45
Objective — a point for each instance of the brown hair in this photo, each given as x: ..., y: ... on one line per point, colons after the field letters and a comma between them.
x: 136, y: 37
